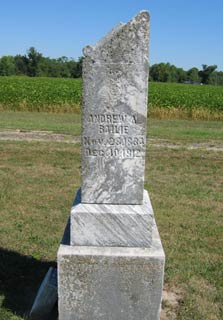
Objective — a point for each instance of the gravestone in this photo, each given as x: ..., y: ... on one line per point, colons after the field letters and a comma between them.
x: 111, y: 260
x: 46, y: 296
x: 114, y: 113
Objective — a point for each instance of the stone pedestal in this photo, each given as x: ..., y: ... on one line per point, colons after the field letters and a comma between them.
x: 111, y: 261
x: 110, y: 283
x: 111, y: 225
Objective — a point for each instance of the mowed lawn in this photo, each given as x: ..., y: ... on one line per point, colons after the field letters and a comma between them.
x: 37, y: 185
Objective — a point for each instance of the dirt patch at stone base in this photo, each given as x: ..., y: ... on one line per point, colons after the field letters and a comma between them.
x: 171, y: 300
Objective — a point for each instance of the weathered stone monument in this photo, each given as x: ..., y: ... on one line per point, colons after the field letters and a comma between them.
x: 111, y: 261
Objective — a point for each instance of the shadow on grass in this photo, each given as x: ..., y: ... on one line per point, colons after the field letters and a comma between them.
x: 20, y: 278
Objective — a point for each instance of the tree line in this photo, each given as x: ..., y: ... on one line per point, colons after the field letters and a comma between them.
x: 165, y: 72
x: 34, y: 64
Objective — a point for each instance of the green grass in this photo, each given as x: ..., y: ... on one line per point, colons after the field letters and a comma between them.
x: 37, y: 185
x: 58, y: 123
x: 186, y: 130
x: 166, y: 100
x: 186, y: 188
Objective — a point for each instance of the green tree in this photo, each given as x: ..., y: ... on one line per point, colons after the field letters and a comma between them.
x: 79, y: 67
x: 21, y: 65
x: 206, y: 72
x: 34, y: 59
x: 72, y: 66
x: 52, y: 68
x: 172, y: 73
x: 192, y: 75
x: 63, y: 67
x: 216, y: 78
x: 165, y: 72
x: 159, y: 72
x: 181, y: 75
x: 7, y: 66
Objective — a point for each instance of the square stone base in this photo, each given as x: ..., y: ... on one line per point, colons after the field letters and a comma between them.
x: 110, y: 283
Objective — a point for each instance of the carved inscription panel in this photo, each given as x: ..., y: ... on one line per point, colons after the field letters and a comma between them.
x: 112, y: 137
x: 113, y: 157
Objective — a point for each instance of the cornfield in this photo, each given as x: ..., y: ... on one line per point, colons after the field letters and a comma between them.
x: 64, y: 95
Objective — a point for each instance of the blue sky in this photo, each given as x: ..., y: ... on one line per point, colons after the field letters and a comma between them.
x: 186, y: 33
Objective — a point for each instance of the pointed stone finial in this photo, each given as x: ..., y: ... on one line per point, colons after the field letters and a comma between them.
x: 114, y: 112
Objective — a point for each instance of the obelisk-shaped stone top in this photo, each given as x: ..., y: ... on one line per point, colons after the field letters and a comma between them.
x: 114, y: 112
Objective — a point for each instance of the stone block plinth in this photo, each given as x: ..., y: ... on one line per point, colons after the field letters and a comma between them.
x: 110, y: 283
x: 111, y: 225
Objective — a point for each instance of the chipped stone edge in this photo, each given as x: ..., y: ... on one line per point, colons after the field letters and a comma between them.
x: 88, y: 50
